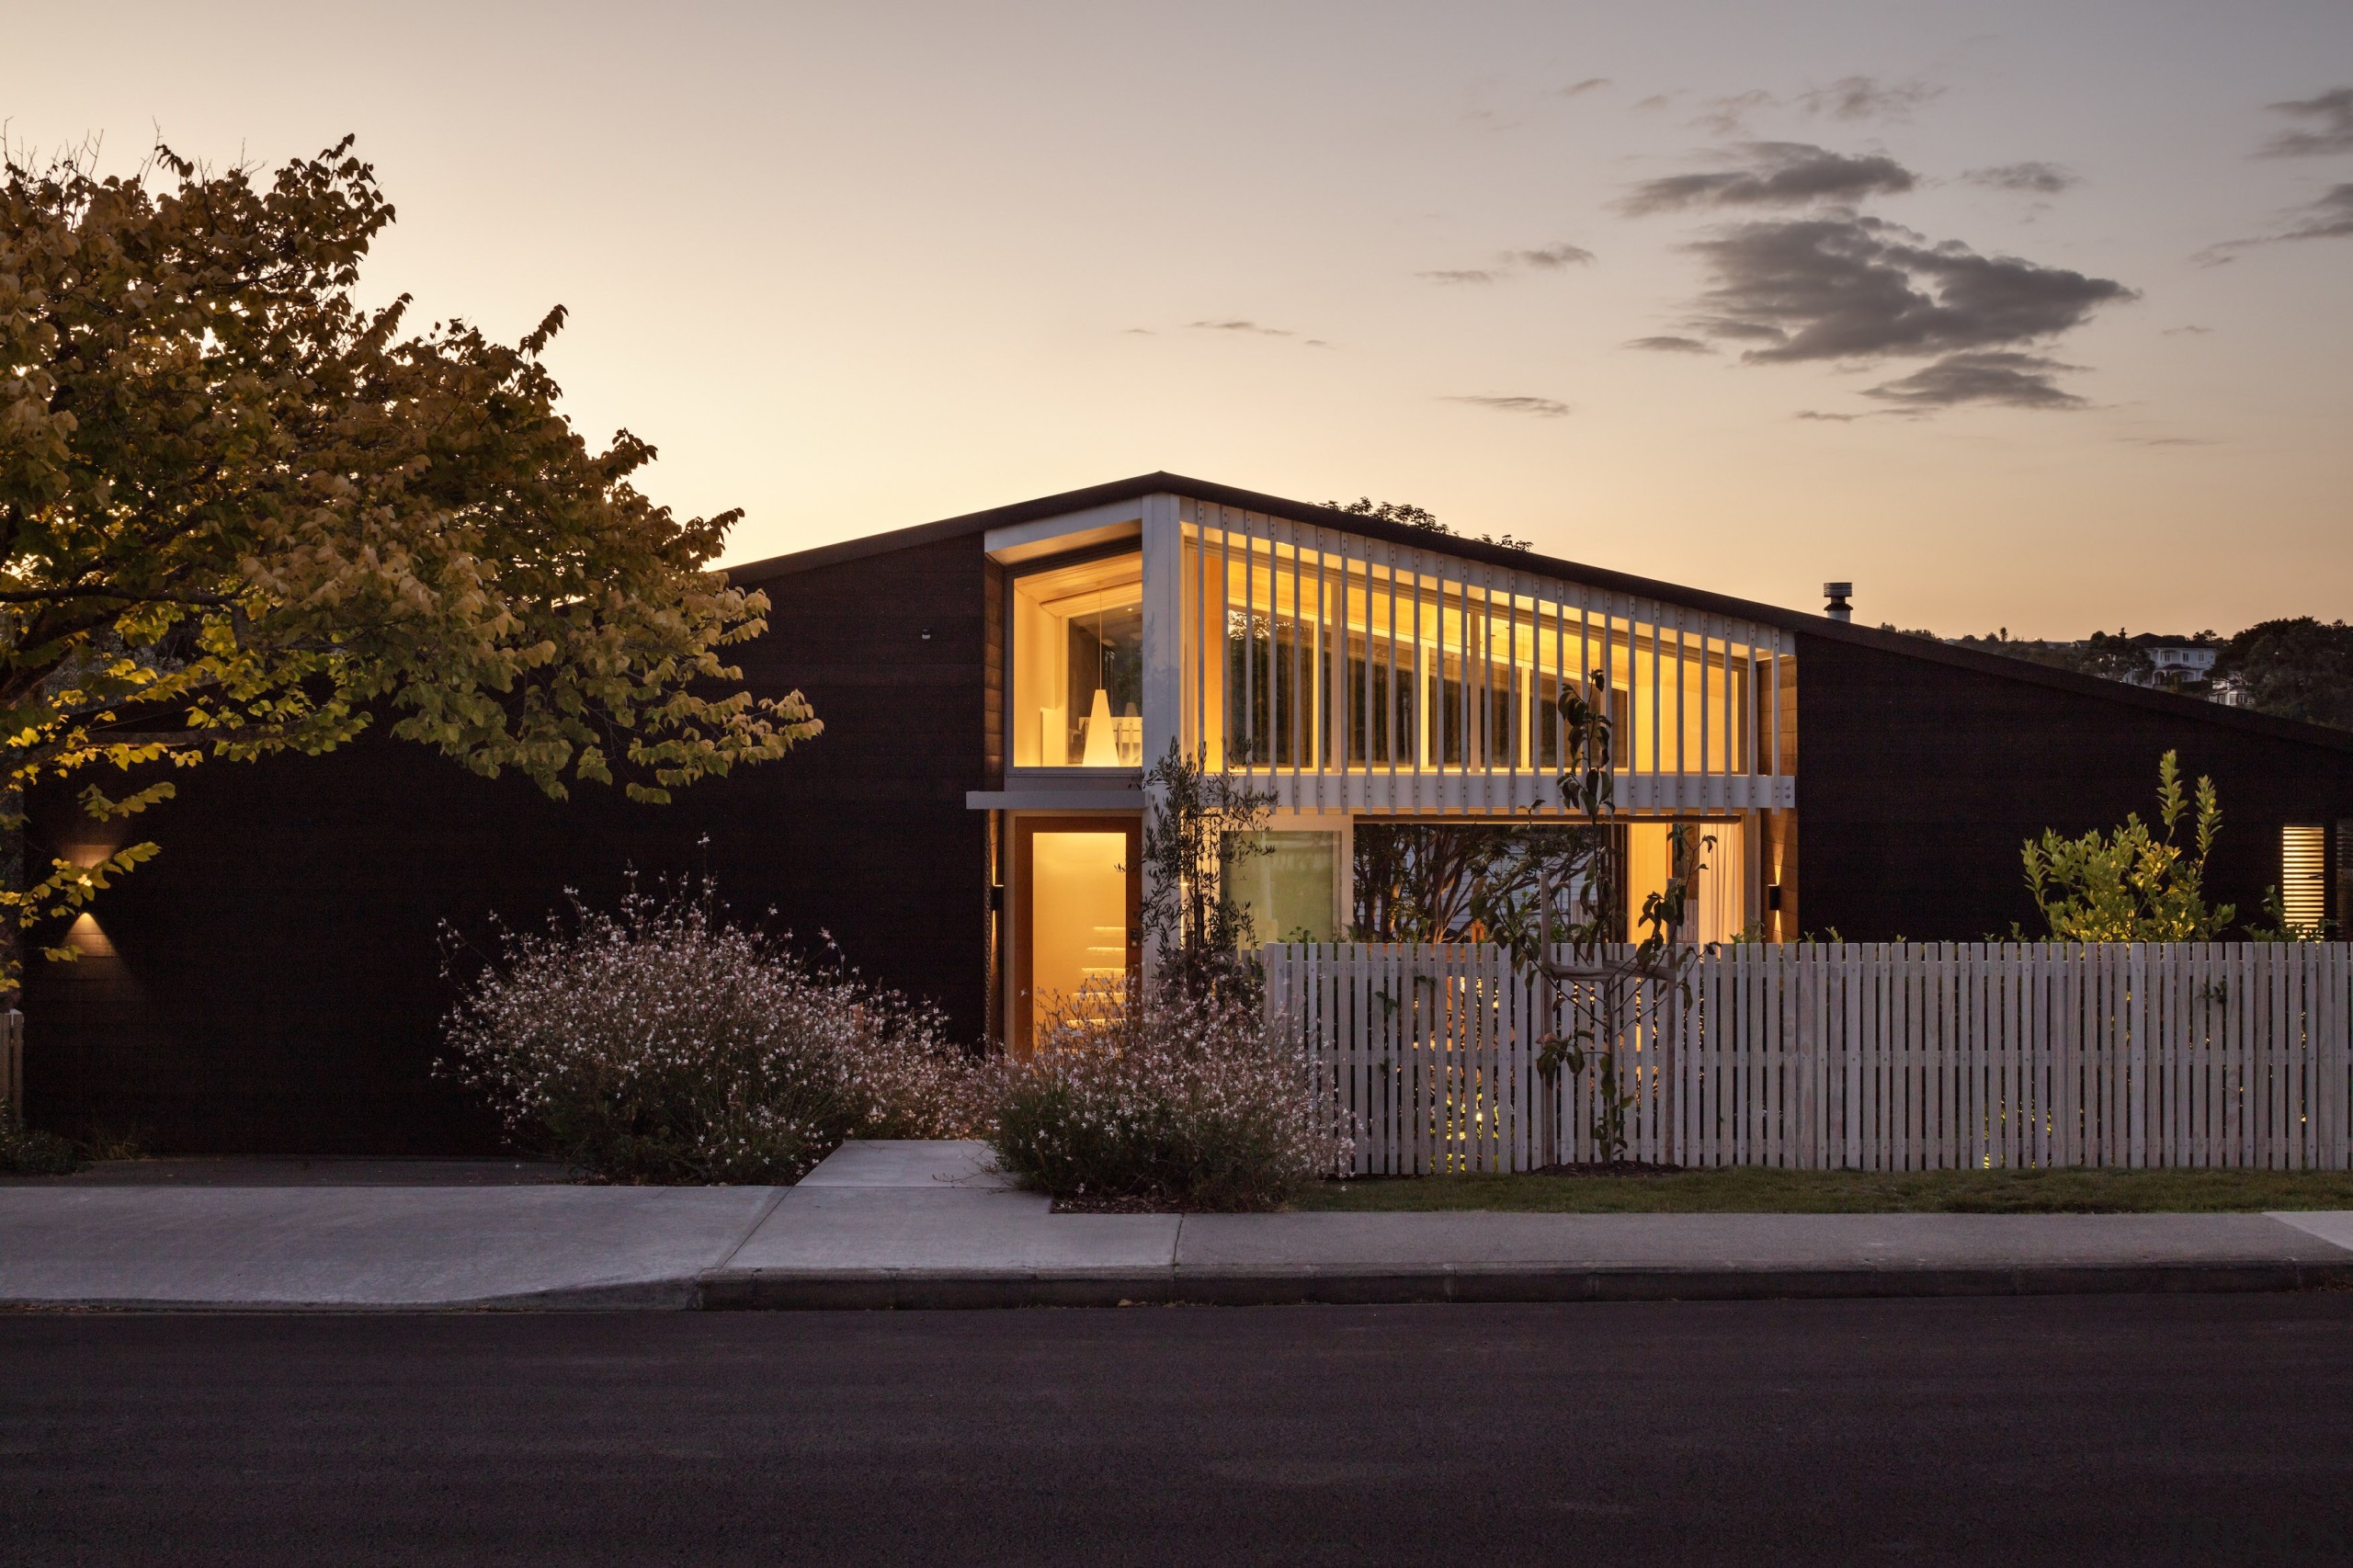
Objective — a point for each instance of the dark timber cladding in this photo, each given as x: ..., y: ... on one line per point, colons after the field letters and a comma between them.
x: 1926, y: 768
x: 273, y: 981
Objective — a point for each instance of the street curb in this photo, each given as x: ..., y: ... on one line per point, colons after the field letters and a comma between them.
x: 888, y: 1290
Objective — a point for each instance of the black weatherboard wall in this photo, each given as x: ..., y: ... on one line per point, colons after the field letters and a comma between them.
x: 271, y: 982
x: 1922, y: 769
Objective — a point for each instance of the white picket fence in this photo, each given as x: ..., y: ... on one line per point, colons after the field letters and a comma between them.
x: 1926, y: 1056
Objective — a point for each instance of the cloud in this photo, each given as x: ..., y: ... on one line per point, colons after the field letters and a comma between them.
x: 1542, y: 407
x: 1726, y: 116
x: 2170, y: 440
x: 2032, y: 179
x: 1247, y: 326
x: 2186, y: 331
x: 1669, y: 345
x: 1777, y: 174
x: 1552, y: 258
x: 1817, y: 414
x: 2330, y: 218
x: 1994, y: 376
x: 1587, y: 86
x: 1868, y: 98
x: 2331, y: 129
x: 1854, y: 287
x: 1655, y: 101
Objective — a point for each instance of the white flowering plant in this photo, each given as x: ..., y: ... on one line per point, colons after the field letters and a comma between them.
x: 1164, y: 1097
x: 663, y: 1043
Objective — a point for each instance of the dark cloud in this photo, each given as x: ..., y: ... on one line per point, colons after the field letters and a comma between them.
x: 2033, y: 179
x: 1867, y: 98
x: 1458, y: 275
x: 1819, y: 415
x: 1249, y: 326
x: 1657, y: 101
x: 1997, y: 376
x: 2330, y: 129
x: 1543, y: 407
x: 2330, y: 218
x: 1777, y: 174
x: 1854, y: 287
x: 1553, y: 256
x: 1670, y: 345
x: 1587, y: 86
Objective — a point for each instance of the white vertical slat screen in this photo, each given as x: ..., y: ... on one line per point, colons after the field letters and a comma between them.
x: 1863, y: 1056
x: 1344, y: 672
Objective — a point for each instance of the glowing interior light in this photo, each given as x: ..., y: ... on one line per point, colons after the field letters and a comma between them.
x: 1102, y: 748
x: 2303, y: 875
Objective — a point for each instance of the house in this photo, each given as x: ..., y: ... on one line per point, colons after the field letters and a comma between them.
x: 2173, y: 660
x: 967, y: 827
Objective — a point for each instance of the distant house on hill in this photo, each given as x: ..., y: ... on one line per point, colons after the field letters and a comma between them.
x: 966, y: 829
x: 2174, y: 662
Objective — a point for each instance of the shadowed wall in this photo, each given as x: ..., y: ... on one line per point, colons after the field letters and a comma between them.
x: 273, y: 981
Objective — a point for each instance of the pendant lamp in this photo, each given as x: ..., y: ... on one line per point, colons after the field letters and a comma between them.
x: 1102, y: 750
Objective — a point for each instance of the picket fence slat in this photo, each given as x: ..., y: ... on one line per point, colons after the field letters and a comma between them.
x: 1859, y: 1056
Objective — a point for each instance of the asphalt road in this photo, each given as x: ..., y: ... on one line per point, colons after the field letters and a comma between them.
x: 2081, y: 1430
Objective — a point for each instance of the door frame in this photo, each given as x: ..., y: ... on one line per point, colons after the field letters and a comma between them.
x: 1026, y: 828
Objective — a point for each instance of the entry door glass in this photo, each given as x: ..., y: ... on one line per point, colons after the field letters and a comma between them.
x: 1078, y: 914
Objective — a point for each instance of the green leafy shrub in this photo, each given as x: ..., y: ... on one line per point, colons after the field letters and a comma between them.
x: 24, y: 1152
x: 1176, y: 1099
x: 662, y: 1044
x: 2131, y: 885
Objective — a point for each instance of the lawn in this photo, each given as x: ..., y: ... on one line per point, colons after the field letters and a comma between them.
x: 1754, y: 1191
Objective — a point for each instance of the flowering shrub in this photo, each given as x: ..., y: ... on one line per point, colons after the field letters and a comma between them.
x: 1171, y: 1098
x: 664, y: 1044
x: 24, y: 1152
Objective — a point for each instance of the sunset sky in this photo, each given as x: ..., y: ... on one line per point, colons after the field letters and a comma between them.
x: 2033, y: 316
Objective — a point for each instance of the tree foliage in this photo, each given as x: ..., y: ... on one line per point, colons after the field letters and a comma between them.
x: 245, y: 514
x: 1200, y: 824
x: 1554, y: 904
x: 2133, y: 885
x: 2298, y: 668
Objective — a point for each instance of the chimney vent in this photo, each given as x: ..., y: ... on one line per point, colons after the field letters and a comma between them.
x: 1838, y: 609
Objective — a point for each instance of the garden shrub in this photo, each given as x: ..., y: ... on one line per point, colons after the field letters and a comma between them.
x: 1169, y: 1099
x: 664, y: 1044
x: 24, y: 1152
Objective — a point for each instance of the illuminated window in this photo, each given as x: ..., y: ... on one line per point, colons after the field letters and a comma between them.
x: 1078, y: 665
x: 2303, y: 875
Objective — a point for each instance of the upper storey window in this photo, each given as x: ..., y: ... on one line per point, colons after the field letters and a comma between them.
x: 1077, y: 637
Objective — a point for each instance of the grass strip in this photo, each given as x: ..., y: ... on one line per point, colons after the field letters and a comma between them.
x: 1757, y: 1190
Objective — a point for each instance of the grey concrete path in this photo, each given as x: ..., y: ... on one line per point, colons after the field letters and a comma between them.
x: 361, y: 1247
x: 924, y: 1224
x: 910, y: 1224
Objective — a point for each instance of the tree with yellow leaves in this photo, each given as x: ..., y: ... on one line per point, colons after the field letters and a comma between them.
x: 242, y: 514
x: 2131, y: 885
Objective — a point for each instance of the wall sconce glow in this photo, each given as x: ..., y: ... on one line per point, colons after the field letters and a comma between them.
x: 88, y: 938
x: 2303, y: 875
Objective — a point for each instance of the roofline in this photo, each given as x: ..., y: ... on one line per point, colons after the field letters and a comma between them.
x: 1901, y: 644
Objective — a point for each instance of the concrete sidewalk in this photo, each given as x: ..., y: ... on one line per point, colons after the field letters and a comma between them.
x: 929, y: 1225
